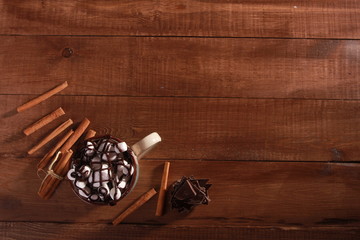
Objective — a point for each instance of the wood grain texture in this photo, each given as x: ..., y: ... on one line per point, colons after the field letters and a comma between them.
x: 262, y: 97
x: 211, y: 67
x: 242, y: 194
x: 45, y: 231
x: 286, y: 18
x: 203, y: 128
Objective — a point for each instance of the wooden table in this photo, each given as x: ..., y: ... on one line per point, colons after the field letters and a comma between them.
x: 262, y: 97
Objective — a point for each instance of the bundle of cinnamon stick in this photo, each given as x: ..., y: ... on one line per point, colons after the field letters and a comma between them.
x: 58, y: 158
x: 60, y: 167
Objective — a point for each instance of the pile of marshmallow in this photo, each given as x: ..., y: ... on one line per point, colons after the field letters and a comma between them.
x: 102, y: 170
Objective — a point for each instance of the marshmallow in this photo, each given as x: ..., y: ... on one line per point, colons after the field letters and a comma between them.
x: 122, y: 146
x: 122, y: 184
x: 104, y: 189
x: 103, y: 146
x: 115, y: 193
x: 103, y: 175
x: 70, y: 174
x: 80, y: 184
x: 94, y: 197
x: 125, y: 171
x: 85, y: 192
x: 96, y: 159
x: 90, y: 149
x: 124, y: 181
x: 89, y: 153
x: 90, y: 145
x: 116, y: 179
x: 96, y: 166
x: 132, y: 170
x: 126, y: 178
x: 119, y: 174
x: 112, y: 148
x: 105, y: 166
x: 102, y: 198
x: 111, y: 156
x: 126, y: 163
x: 96, y: 163
x: 121, y: 169
x: 85, y: 171
x: 117, y: 150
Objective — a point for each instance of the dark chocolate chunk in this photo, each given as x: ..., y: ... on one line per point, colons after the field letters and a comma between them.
x: 189, y: 192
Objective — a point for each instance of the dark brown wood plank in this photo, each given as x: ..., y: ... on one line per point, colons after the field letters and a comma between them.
x: 243, y: 194
x: 304, y: 19
x: 44, y: 231
x: 202, y: 128
x: 213, y: 67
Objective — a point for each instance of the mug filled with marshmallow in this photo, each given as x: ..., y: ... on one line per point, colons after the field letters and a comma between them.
x: 105, y: 169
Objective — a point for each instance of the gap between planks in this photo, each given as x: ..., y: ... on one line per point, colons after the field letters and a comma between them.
x: 190, y: 97
x: 173, y: 36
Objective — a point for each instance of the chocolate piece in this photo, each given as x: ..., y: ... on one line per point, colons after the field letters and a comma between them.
x: 189, y: 192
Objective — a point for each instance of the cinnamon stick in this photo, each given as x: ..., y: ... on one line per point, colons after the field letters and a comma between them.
x: 60, y: 169
x: 76, y: 135
x: 53, y: 134
x: 62, y: 166
x: 141, y: 201
x: 91, y: 133
x: 51, y: 182
x: 46, y: 159
x: 162, y: 191
x: 42, y: 97
x: 43, y: 121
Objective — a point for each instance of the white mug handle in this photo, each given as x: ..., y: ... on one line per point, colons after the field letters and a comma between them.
x: 143, y: 146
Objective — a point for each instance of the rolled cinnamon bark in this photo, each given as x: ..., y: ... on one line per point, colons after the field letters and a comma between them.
x: 76, y: 135
x: 62, y: 166
x: 91, y: 133
x: 42, y: 97
x: 53, y: 134
x: 54, y: 177
x: 43, y: 121
x: 141, y: 201
x: 46, y: 159
x: 162, y: 191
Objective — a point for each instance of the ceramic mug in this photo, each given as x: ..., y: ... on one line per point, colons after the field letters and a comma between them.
x: 105, y: 169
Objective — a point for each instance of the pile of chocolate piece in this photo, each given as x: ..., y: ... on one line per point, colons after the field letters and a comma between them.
x: 189, y: 192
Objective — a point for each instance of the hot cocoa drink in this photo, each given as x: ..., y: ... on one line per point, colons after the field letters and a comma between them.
x: 103, y: 171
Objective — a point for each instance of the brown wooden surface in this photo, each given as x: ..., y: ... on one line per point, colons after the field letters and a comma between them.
x: 208, y: 67
x: 245, y: 18
x: 205, y: 128
x: 262, y: 97
x: 44, y: 231
x: 243, y: 193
